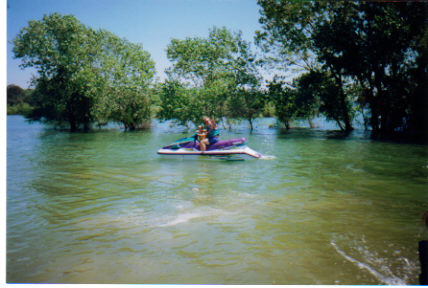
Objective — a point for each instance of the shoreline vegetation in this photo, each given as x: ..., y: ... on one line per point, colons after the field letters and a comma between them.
x: 351, y: 59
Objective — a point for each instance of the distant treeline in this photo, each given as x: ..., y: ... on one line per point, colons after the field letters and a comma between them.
x: 334, y: 59
x: 18, y: 100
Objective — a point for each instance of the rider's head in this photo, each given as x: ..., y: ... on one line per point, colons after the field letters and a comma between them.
x: 206, y: 120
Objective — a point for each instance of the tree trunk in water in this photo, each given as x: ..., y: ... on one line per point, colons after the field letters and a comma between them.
x: 73, y: 124
x: 344, y: 104
x: 86, y: 126
x: 374, y: 121
x: 340, y: 124
x: 251, y: 124
x: 229, y: 124
x: 348, y: 125
x: 223, y: 122
x: 365, y: 120
x: 131, y: 127
x: 378, y: 111
x: 310, y: 123
x: 369, y: 98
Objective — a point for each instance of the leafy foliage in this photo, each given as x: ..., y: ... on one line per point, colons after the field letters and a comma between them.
x: 218, y: 72
x: 178, y: 103
x: 126, y: 73
x: 352, y: 55
x: 84, y: 75
x: 57, y: 47
x: 284, y: 100
x: 377, y: 47
x: 18, y: 100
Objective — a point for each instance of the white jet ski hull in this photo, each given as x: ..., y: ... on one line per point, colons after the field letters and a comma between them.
x: 237, y: 153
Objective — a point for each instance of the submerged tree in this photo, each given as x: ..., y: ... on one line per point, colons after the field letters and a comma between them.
x: 213, y: 70
x: 246, y: 99
x: 246, y: 104
x: 289, y: 28
x: 284, y: 100
x: 203, y: 65
x: 379, y: 47
x: 83, y: 73
x: 127, y: 72
x: 178, y: 103
x: 60, y: 48
x: 318, y: 92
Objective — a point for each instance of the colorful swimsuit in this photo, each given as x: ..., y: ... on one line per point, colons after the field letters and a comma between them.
x: 213, y: 135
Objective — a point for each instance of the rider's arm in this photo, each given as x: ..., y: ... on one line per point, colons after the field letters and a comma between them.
x: 212, y: 126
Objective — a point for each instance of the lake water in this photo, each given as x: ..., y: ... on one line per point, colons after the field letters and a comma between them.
x: 103, y: 207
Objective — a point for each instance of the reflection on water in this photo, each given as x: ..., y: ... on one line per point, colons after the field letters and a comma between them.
x: 102, y: 207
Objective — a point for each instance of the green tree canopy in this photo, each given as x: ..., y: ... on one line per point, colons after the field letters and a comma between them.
x: 60, y: 48
x: 289, y: 28
x: 215, y: 70
x: 84, y: 75
x: 283, y: 98
x: 15, y: 94
x: 377, y: 46
x: 18, y: 100
x: 380, y: 46
x: 126, y: 72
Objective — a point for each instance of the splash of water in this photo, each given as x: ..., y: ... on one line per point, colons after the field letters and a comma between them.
x: 391, y: 280
x: 183, y: 218
x: 267, y: 157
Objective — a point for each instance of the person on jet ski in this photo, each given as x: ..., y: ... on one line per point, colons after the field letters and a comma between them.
x: 201, y: 134
x: 212, y: 133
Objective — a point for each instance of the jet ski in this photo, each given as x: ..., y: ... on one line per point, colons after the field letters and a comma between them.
x: 232, y: 149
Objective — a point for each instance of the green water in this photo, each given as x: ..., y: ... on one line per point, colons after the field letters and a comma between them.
x: 103, y: 207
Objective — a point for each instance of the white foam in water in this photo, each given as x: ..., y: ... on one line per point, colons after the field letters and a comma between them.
x: 186, y: 217
x: 267, y: 157
x: 183, y: 218
x: 392, y: 280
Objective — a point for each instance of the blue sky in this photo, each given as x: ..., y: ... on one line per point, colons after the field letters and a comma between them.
x: 151, y: 23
